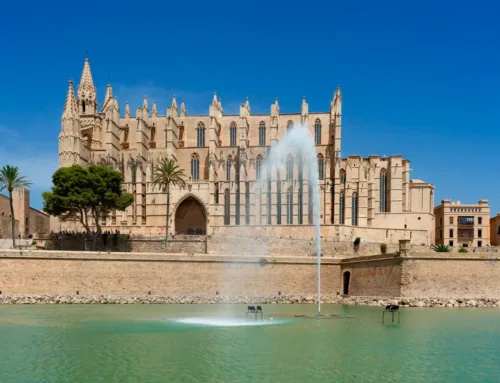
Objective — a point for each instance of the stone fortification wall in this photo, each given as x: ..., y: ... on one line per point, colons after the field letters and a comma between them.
x: 336, y: 233
x: 379, y: 277
x: 60, y: 272
x: 467, y: 277
x: 437, y: 275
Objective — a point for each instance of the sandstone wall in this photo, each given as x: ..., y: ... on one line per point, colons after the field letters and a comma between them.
x: 454, y: 278
x: 377, y: 277
x: 35, y: 272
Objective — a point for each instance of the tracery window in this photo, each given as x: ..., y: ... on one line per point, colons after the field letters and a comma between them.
x: 289, y: 206
x: 200, y: 134
x: 227, y: 207
x: 383, y: 191
x: 258, y: 167
x: 289, y: 168
x: 262, y: 133
x: 342, y: 176
x: 229, y: 163
x: 321, y: 167
x: 195, y: 167
x: 354, y: 207
x: 289, y: 126
x: 317, y: 132
x: 341, y: 208
x: 232, y: 134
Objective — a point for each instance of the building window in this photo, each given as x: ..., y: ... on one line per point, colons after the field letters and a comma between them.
x: 321, y: 167
x: 200, y: 134
x: 301, y: 191
x: 479, y: 233
x: 479, y: 243
x: 441, y: 221
x: 258, y: 167
x: 310, y: 204
x: 228, y: 168
x: 289, y: 126
x: 342, y: 176
x: 232, y: 134
x: 451, y: 233
x: 440, y: 234
x: 195, y: 167
x: 466, y: 221
x: 216, y: 193
x: 317, y: 132
x: 479, y: 220
x: 227, y: 207
x: 289, y: 206
x: 278, y: 199
x: 247, y: 203
x: 451, y: 220
x: 341, y: 208
x: 262, y: 133
x: 289, y: 168
x: 383, y: 191
x: 451, y: 243
x: 354, y: 211
x: 498, y: 230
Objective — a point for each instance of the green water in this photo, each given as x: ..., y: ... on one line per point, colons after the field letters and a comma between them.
x: 142, y: 343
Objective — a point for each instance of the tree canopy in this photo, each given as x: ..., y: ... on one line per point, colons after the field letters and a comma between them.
x: 86, y: 194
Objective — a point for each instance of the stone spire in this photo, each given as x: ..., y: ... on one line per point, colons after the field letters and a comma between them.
x: 154, y: 111
x: 337, y: 99
x: 86, y: 91
x: 70, y: 104
x: 108, y: 96
x: 145, y: 103
x: 127, y: 110
x: 174, y: 101
x: 183, y: 109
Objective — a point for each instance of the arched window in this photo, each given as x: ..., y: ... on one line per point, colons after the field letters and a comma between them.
x: 383, y: 191
x: 289, y: 126
x: 278, y: 198
x: 258, y: 167
x: 262, y: 133
x: 289, y: 206
x: 228, y: 168
x: 216, y: 196
x: 354, y: 208
x: 321, y: 167
x: 289, y: 168
x: 83, y: 107
x: 341, y: 208
x: 232, y: 134
x: 317, y: 132
x: 227, y: 207
x: 153, y: 134
x: 195, y: 167
x: 200, y: 134
x: 342, y: 176
x: 300, y: 206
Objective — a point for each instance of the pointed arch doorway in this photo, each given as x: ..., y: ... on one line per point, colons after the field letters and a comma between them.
x: 191, y: 217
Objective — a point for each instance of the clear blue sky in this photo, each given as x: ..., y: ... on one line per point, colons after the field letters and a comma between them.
x: 419, y: 79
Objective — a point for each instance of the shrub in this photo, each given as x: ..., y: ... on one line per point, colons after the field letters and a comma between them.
x: 383, y: 248
x: 263, y: 261
x: 357, y: 241
x: 441, y: 248
x: 463, y: 250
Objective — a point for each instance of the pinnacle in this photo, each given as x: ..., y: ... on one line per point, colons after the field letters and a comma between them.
x: 86, y: 79
x: 70, y: 104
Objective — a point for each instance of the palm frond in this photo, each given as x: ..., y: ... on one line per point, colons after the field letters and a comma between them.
x: 167, y: 173
x: 10, y: 179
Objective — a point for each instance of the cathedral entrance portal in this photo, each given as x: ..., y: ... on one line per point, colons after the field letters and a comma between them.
x: 191, y: 217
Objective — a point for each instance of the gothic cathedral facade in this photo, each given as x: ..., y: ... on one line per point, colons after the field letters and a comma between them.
x: 223, y: 157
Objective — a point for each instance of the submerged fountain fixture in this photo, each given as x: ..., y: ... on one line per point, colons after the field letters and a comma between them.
x: 297, y: 144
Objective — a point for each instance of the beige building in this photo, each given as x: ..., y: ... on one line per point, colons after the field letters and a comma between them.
x: 495, y: 230
x: 27, y: 220
x: 463, y: 225
x: 224, y: 156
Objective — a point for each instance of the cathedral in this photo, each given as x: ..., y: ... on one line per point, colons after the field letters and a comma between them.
x: 223, y: 157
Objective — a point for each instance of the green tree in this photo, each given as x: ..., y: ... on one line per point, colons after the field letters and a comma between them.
x: 86, y: 194
x: 167, y: 173
x: 10, y: 180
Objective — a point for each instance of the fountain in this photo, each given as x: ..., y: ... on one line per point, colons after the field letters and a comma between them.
x: 299, y: 143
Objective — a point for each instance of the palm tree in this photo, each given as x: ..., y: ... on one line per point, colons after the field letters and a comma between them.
x: 439, y: 248
x: 10, y: 180
x: 167, y: 173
